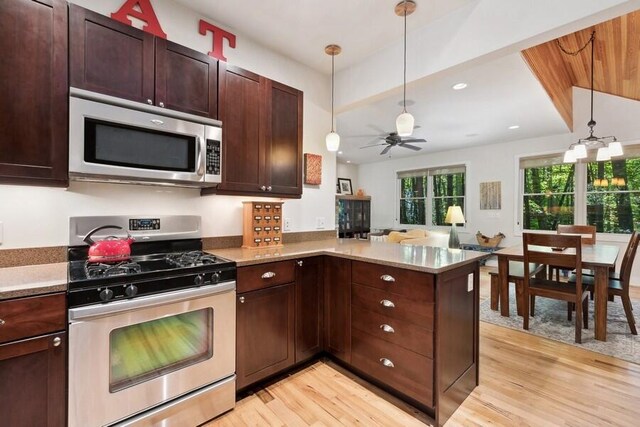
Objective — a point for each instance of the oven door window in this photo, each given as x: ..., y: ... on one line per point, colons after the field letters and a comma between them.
x: 148, y: 350
x: 120, y: 145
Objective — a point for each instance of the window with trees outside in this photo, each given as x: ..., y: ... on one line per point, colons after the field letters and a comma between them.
x: 426, y: 194
x: 605, y: 194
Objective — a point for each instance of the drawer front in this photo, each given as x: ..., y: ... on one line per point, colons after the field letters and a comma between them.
x: 398, y: 332
x: 28, y: 317
x: 418, y: 312
x: 265, y: 275
x: 399, y: 281
x: 411, y: 373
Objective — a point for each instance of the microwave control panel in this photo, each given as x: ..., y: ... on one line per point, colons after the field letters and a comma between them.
x: 213, y: 157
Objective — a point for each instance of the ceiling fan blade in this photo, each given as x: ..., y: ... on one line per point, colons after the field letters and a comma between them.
x: 374, y: 145
x: 386, y: 150
x: 411, y: 147
x: 414, y: 140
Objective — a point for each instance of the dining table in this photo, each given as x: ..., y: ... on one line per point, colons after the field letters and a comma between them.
x: 600, y: 258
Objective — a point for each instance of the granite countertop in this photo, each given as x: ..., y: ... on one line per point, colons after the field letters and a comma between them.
x: 421, y: 258
x: 32, y: 280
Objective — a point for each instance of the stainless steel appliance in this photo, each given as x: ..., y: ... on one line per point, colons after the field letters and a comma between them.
x: 116, y: 140
x: 151, y: 339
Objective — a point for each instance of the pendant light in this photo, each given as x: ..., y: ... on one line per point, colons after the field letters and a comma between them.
x: 607, y: 146
x: 405, y: 121
x: 333, y: 139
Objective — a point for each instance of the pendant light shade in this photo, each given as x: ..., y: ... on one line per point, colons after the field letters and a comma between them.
x: 333, y: 139
x: 405, y: 121
x: 603, y: 154
x: 569, y: 157
x: 615, y: 149
x: 580, y: 151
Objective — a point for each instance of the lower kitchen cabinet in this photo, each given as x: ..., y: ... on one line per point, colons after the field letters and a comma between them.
x: 33, y: 388
x: 265, y: 333
x: 337, y: 307
x: 309, y: 293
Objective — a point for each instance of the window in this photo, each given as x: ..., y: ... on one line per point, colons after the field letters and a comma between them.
x: 604, y: 194
x: 426, y: 194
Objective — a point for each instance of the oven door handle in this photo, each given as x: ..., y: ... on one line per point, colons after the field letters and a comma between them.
x: 107, y: 309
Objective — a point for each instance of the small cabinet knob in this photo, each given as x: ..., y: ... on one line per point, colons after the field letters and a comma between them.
x: 387, y: 303
x: 150, y: 101
x: 386, y: 362
x: 299, y: 263
x: 387, y: 278
x: 2, y: 322
x: 57, y: 341
x: 161, y: 104
x: 387, y: 328
x: 241, y: 299
x: 269, y: 188
x: 263, y: 188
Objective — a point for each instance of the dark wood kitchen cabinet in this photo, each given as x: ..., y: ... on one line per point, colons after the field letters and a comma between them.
x: 309, y: 302
x: 33, y: 359
x: 34, y: 85
x: 262, y: 137
x: 337, y: 307
x: 265, y: 321
x: 109, y: 57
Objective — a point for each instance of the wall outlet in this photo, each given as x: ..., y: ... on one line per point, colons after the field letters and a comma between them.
x: 287, y: 224
x: 320, y: 222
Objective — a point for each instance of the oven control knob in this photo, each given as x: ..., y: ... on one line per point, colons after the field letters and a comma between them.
x: 215, y: 277
x: 106, y: 294
x: 199, y: 279
x: 131, y: 291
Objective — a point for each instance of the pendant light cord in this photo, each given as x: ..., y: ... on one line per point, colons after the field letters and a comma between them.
x: 404, y: 84
x: 333, y: 72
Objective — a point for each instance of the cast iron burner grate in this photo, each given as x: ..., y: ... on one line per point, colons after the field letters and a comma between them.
x: 190, y: 259
x: 94, y: 270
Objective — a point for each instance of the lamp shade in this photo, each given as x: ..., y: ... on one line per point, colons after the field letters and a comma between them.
x: 569, y: 157
x: 580, y: 151
x: 603, y: 154
x: 615, y: 149
x: 404, y: 124
x: 333, y: 141
x: 454, y: 215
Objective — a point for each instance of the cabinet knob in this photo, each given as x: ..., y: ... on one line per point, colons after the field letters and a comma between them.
x: 150, y: 101
x: 269, y: 188
x: 387, y: 328
x: 57, y: 341
x: 161, y: 104
x: 386, y: 362
x: 387, y: 303
x: 2, y: 322
x: 241, y: 299
x: 263, y: 188
x: 299, y: 263
x: 387, y: 278
x: 268, y: 275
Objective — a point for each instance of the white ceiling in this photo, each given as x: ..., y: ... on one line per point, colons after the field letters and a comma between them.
x: 301, y: 29
x: 500, y: 93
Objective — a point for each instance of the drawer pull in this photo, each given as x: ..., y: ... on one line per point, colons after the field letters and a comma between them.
x: 57, y: 341
x: 387, y: 328
x: 268, y: 275
x: 387, y: 278
x: 299, y: 263
x: 2, y: 322
x: 386, y: 362
x: 241, y: 299
x: 387, y: 303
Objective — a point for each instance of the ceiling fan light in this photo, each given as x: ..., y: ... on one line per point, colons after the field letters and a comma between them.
x: 333, y: 141
x: 569, y: 157
x: 603, y: 155
x: 580, y: 151
x: 615, y: 149
x: 404, y: 124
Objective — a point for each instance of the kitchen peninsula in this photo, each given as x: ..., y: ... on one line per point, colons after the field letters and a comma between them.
x: 403, y: 317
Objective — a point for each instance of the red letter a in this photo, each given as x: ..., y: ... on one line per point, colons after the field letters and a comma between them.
x: 145, y: 14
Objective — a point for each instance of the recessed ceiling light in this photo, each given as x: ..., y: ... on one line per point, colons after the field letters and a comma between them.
x: 339, y: 152
x: 514, y: 127
x: 348, y: 161
x: 459, y: 86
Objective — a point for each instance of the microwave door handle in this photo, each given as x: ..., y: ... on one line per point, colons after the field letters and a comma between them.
x: 199, y: 160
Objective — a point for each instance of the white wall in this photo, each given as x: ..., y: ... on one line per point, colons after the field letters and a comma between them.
x: 350, y: 171
x: 498, y: 162
x: 38, y: 216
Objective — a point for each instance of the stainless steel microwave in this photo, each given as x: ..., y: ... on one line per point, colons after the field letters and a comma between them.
x: 116, y: 140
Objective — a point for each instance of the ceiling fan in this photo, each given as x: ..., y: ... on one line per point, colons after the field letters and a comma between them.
x: 392, y: 139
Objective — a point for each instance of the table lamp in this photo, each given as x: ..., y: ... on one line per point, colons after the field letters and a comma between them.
x: 454, y: 216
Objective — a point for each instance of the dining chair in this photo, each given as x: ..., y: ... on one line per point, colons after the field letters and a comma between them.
x: 543, y: 249
x: 619, y: 282
x: 516, y: 276
x: 586, y: 232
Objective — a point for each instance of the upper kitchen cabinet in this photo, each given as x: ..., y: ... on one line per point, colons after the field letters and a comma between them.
x: 115, y: 59
x: 262, y: 135
x: 34, y: 84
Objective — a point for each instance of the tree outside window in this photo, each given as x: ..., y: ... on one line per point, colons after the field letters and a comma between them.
x: 548, y: 198
x: 413, y: 192
x: 448, y: 190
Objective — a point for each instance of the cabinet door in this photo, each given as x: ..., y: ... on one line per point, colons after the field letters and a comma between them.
x: 34, y: 85
x: 33, y: 382
x: 242, y: 138
x: 337, y: 307
x: 109, y: 57
x: 308, y: 307
x: 284, y: 139
x: 186, y: 80
x: 265, y: 333
x: 366, y: 216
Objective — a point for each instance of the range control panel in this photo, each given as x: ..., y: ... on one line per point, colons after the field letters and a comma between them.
x: 213, y: 157
x: 137, y: 224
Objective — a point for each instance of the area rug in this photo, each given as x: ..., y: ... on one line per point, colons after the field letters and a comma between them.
x: 551, y: 322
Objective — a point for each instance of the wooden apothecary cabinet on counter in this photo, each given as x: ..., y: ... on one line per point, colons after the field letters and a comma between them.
x: 262, y: 225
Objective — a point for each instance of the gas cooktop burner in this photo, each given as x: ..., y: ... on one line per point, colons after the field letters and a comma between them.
x: 190, y: 259
x: 96, y: 270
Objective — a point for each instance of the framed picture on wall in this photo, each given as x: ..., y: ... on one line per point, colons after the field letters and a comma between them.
x: 344, y: 184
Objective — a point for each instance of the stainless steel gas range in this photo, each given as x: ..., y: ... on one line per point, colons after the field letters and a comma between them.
x: 151, y: 339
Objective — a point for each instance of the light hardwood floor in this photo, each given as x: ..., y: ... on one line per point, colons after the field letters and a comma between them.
x: 525, y: 380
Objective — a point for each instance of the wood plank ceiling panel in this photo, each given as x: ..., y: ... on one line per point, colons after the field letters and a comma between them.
x: 616, y: 66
